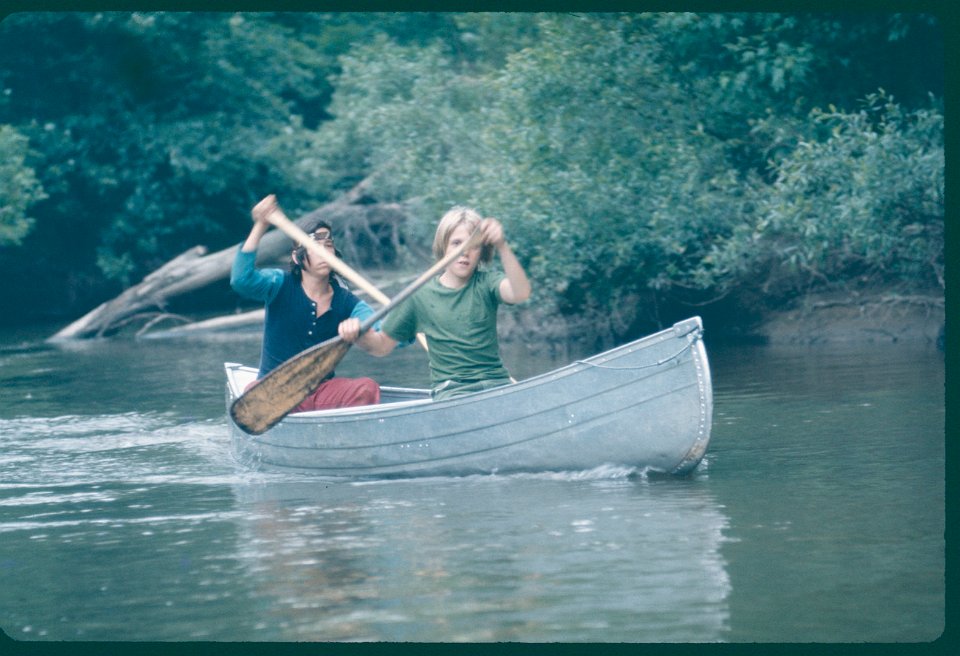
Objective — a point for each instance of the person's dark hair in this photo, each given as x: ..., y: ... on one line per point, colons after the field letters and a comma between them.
x: 300, y: 252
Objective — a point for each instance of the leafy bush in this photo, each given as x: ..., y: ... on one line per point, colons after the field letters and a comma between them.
x: 862, y: 202
x: 19, y: 187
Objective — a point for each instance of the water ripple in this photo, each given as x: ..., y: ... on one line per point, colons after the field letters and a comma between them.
x: 130, y: 447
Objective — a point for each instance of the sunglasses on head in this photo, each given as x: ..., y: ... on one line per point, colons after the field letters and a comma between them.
x: 322, y: 235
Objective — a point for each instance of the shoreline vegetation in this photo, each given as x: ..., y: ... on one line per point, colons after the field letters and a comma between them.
x: 780, y: 174
x: 878, y: 316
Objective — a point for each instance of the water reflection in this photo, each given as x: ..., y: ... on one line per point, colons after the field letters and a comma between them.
x: 520, y: 558
x: 833, y: 463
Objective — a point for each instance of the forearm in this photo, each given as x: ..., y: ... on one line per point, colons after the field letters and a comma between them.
x: 376, y: 343
x: 253, y: 239
x: 261, y: 222
x: 518, y: 287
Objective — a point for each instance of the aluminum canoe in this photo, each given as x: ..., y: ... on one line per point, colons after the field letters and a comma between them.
x: 647, y: 404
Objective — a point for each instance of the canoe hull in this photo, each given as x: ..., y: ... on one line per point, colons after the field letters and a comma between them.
x: 647, y: 404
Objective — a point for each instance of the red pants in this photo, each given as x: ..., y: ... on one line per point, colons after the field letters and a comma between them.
x: 339, y: 393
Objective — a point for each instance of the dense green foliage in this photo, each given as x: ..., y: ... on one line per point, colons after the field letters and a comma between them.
x: 617, y: 180
x: 863, y: 203
x: 19, y: 187
x: 638, y: 161
x: 152, y: 133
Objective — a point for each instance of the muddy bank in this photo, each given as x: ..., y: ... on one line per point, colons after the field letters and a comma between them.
x: 874, y: 318
x: 887, y: 317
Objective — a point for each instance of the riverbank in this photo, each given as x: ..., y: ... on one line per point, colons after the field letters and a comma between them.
x: 879, y: 317
x: 865, y: 317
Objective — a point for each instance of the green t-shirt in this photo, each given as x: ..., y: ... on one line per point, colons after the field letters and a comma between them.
x: 460, y: 325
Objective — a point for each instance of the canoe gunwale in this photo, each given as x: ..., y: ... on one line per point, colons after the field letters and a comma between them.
x: 692, y: 338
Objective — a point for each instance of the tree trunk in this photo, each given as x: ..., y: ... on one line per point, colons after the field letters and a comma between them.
x: 351, y: 214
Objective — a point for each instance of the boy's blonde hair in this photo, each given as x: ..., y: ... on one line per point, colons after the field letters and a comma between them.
x: 451, y: 221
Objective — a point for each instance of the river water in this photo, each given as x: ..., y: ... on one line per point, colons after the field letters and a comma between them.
x: 816, y: 516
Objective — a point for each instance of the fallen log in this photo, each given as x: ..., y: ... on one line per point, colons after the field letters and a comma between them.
x: 253, y: 317
x: 215, y: 324
x: 191, y: 270
x: 352, y: 214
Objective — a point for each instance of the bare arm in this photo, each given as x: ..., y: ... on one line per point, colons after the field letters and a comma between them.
x: 515, y: 288
x: 373, y: 342
x: 260, y: 212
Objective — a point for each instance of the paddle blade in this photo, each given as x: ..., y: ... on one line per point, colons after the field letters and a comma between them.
x: 282, y: 390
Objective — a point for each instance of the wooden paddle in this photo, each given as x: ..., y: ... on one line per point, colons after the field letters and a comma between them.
x: 281, y: 390
x: 279, y: 220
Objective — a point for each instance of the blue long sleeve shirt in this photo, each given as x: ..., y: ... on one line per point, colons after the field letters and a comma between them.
x: 291, y: 323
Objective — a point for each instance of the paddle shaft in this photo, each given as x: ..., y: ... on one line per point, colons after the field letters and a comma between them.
x: 281, y: 390
x: 407, y: 291
x: 279, y: 220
